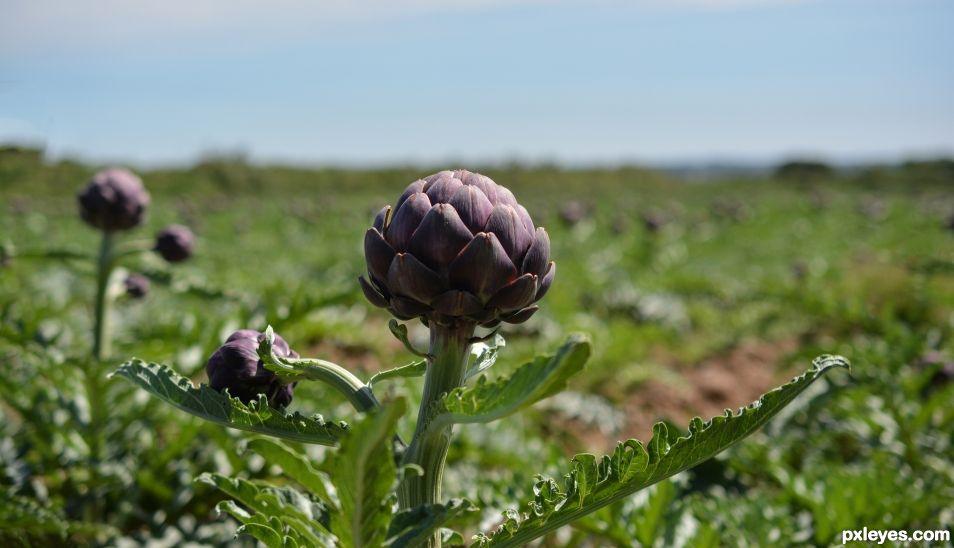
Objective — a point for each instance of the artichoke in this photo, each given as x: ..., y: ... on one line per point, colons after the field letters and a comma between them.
x: 236, y: 366
x: 137, y: 286
x: 113, y: 200
x: 458, y: 248
x: 175, y: 243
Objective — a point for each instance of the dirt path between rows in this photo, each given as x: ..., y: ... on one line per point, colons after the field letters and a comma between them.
x: 707, y: 389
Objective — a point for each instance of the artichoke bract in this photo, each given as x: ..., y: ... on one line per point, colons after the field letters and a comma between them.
x: 458, y: 247
x: 113, y: 200
x: 237, y: 367
x: 175, y: 243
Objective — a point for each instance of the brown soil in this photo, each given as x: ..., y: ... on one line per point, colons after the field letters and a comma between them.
x: 706, y: 390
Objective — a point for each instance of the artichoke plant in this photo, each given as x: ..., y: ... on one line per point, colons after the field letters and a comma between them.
x: 457, y: 247
x: 236, y: 366
x: 456, y: 251
x: 115, y: 201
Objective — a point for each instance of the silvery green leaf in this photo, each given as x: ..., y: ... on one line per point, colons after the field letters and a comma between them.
x: 485, y: 355
x: 488, y: 401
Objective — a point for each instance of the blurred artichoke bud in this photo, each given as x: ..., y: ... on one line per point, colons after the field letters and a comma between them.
x: 573, y: 212
x: 175, y: 243
x: 236, y: 366
x: 653, y: 222
x: 137, y: 286
x: 458, y: 248
x: 113, y: 200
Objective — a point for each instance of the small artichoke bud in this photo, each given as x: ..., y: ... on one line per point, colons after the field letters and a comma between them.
x: 237, y: 367
x: 573, y: 211
x: 458, y: 247
x: 113, y: 200
x: 137, y: 286
x: 653, y: 222
x: 175, y: 243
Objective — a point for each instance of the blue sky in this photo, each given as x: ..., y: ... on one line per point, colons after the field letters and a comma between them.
x: 478, y: 80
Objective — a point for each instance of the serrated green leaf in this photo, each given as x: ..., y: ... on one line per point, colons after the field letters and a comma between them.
x: 214, y: 406
x: 295, y: 465
x: 413, y: 369
x: 488, y: 401
x: 411, y: 527
x: 590, y: 486
x: 364, y: 475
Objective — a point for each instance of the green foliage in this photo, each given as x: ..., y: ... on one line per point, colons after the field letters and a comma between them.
x: 282, y: 515
x: 294, y: 465
x: 23, y: 522
x: 167, y: 385
x: 413, y: 369
x: 399, y: 330
x: 594, y: 483
x: 411, y: 527
x: 364, y: 473
x: 749, y: 276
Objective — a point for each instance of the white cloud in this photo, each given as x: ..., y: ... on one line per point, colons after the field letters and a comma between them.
x: 29, y: 25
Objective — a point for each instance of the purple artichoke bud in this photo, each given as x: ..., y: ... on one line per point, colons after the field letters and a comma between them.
x: 573, y: 212
x: 653, y: 222
x: 175, y: 243
x: 943, y: 371
x: 113, y: 200
x: 236, y: 366
x: 137, y: 286
x: 457, y: 247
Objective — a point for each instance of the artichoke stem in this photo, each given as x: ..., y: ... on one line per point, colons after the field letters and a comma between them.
x: 449, y: 351
x: 104, y: 268
x: 101, y: 350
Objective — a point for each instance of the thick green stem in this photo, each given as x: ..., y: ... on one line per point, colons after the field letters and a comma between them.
x: 449, y: 350
x: 104, y: 268
x: 101, y: 350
